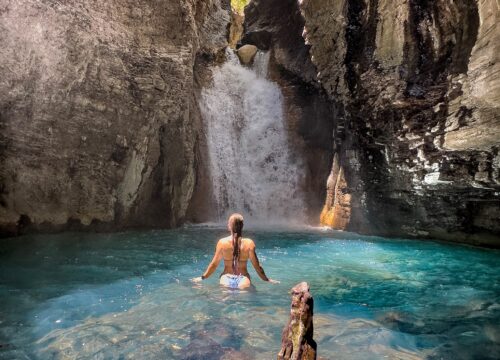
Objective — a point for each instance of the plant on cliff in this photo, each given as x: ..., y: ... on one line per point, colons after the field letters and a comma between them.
x: 239, y: 5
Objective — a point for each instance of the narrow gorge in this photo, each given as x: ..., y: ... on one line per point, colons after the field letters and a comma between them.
x: 179, y: 178
x: 385, y: 116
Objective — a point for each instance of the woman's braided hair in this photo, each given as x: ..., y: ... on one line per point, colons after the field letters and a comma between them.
x: 236, y: 226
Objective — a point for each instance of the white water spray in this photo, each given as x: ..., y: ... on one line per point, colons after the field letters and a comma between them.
x: 253, y: 169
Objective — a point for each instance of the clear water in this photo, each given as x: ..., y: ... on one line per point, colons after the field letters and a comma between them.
x: 128, y: 296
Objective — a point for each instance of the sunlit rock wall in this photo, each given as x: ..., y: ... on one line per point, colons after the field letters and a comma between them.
x: 98, y: 123
x: 416, y: 90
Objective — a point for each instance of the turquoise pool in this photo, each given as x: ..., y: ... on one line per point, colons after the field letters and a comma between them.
x: 128, y: 296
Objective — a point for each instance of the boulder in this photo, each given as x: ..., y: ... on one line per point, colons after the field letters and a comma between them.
x: 246, y: 53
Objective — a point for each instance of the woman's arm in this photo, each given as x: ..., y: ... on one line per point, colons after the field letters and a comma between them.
x: 255, y: 262
x: 214, y: 263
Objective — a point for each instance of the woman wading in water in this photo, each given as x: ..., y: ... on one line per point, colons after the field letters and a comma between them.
x: 235, y: 250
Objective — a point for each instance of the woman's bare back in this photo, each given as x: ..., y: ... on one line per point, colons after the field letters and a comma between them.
x: 238, y: 276
x: 246, y: 246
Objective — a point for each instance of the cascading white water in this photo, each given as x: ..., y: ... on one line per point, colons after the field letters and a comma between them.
x: 253, y: 169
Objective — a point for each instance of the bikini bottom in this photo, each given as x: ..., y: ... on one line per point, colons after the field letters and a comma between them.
x: 233, y: 281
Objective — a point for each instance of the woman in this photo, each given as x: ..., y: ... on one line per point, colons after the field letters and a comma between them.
x: 235, y: 250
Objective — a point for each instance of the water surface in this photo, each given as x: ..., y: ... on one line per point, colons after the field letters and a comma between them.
x: 128, y: 296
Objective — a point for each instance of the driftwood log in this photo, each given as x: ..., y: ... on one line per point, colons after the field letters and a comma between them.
x: 297, y: 338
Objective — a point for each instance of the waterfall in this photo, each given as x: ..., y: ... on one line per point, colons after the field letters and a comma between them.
x: 253, y: 169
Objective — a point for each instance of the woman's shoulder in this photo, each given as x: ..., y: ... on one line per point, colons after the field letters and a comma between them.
x: 224, y: 241
x: 248, y: 242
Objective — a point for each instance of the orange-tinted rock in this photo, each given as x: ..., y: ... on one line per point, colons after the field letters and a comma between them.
x: 337, y: 210
x: 236, y: 29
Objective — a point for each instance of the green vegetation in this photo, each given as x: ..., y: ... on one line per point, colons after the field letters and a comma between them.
x: 239, y: 5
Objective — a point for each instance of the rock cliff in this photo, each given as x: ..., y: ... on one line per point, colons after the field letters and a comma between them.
x: 416, y: 87
x: 98, y: 118
x: 397, y: 100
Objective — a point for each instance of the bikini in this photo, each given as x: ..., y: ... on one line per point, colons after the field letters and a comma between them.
x: 234, y: 281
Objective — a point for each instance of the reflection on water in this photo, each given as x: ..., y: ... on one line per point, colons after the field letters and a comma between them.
x: 128, y: 295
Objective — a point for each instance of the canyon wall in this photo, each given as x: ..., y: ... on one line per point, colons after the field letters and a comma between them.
x: 415, y: 89
x: 395, y: 103
x: 98, y: 119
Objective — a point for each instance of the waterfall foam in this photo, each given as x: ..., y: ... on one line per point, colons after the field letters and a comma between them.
x: 253, y: 169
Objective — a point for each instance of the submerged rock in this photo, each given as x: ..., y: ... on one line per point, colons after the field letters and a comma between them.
x: 197, y: 350
x: 297, y: 339
x: 202, y: 349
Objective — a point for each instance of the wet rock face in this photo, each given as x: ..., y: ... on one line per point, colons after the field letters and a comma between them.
x: 416, y: 85
x: 297, y: 339
x: 418, y: 159
x: 308, y: 117
x: 278, y: 25
x: 97, y: 113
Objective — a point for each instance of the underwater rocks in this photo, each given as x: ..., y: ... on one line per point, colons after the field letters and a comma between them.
x: 416, y: 88
x: 297, y: 339
x: 98, y: 118
x: 207, y: 349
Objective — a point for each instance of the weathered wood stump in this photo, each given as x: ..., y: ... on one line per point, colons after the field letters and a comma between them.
x: 297, y: 338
